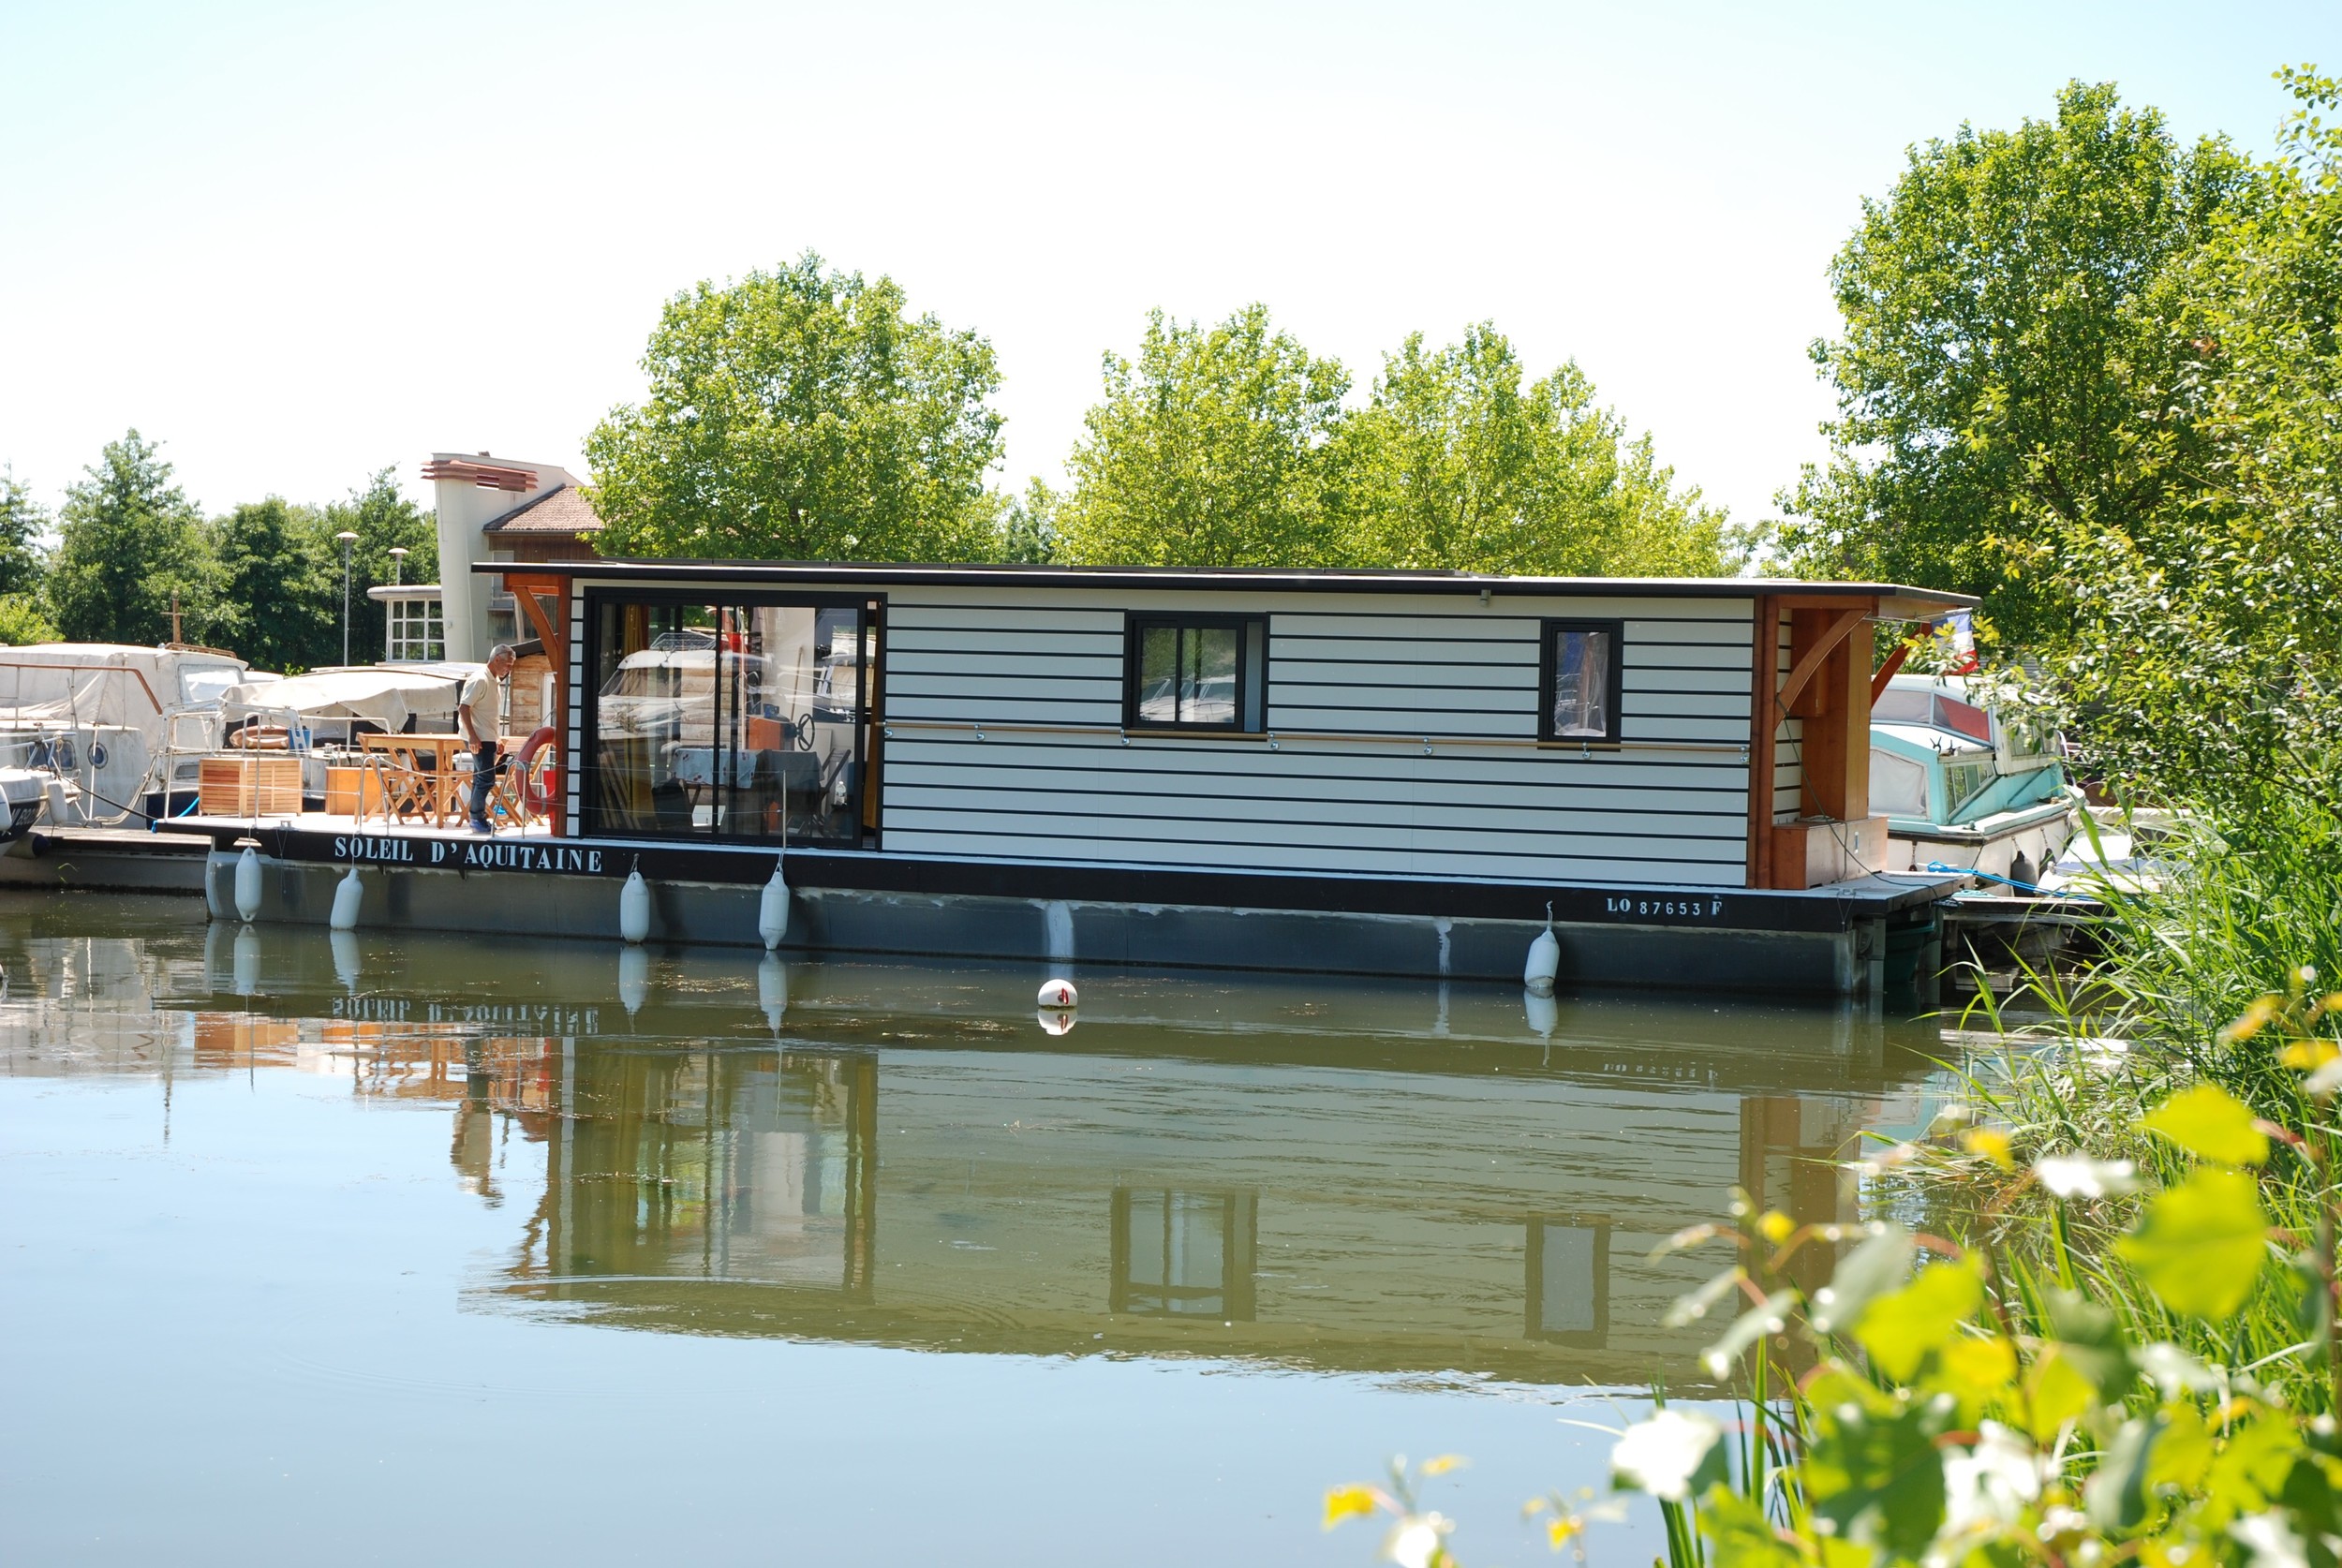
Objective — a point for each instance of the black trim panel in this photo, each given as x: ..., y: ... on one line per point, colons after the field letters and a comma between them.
x: 1623, y: 903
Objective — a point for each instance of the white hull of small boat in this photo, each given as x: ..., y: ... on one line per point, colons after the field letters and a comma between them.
x: 2019, y: 845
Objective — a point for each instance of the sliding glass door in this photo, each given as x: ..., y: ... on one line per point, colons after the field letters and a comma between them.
x: 731, y: 720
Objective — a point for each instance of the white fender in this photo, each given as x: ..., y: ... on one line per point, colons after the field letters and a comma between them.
x: 772, y: 910
x: 1057, y: 995
x: 1545, y: 1014
x: 772, y: 990
x: 248, y: 883
x: 633, y: 979
x: 1545, y: 959
x: 344, y: 946
x: 248, y: 962
x: 634, y: 907
x: 348, y: 896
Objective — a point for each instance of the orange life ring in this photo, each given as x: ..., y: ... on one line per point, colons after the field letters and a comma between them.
x: 539, y: 799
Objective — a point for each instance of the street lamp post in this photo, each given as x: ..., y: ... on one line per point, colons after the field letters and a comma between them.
x: 348, y: 539
x: 398, y: 563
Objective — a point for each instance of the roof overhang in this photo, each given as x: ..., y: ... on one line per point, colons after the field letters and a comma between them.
x: 1895, y: 601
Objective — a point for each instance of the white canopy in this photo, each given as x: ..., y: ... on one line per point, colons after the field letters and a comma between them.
x: 109, y: 682
x: 383, y: 694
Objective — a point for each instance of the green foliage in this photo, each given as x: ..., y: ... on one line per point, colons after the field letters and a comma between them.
x: 1027, y: 527
x: 1230, y: 445
x: 269, y: 600
x: 23, y: 522
x: 1994, y: 366
x: 1976, y: 1414
x: 22, y: 621
x: 1211, y: 451
x: 802, y: 415
x: 1455, y: 465
x: 2205, y: 662
x: 128, y: 539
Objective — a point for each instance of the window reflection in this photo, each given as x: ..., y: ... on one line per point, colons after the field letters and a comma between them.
x: 1570, y: 1281
x: 1183, y: 1255
x: 754, y: 1166
x: 737, y: 721
x: 1582, y: 662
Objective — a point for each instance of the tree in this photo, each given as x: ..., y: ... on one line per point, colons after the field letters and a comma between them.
x: 2203, y: 660
x: 379, y: 513
x: 1454, y: 464
x: 1987, y: 323
x: 1211, y: 451
x: 802, y: 414
x: 1028, y: 526
x: 23, y: 522
x: 270, y: 602
x: 22, y: 621
x: 127, y: 541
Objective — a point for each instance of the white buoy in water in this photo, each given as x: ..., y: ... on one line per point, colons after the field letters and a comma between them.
x: 772, y: 990
x: 1056, y: 1023
x: 344, y: 946
x: 772, y: 910
x: 1545, y: 959
x: 633, y: 979
x: 348, y: 896
x: 1057, y: 996
x: 634, y: 907
x: 248, y: 962
x: 247, y: 883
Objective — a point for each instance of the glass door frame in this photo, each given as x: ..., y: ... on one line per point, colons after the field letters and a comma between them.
x: 869, y: 611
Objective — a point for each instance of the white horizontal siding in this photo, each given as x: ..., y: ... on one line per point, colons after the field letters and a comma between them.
x: 1365, y: 665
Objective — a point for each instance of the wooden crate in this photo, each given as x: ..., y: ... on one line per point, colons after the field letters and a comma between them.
x: 248, y: 787
x: 341, y: 790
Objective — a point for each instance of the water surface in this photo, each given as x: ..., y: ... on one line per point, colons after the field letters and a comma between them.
x: 398, y: 1248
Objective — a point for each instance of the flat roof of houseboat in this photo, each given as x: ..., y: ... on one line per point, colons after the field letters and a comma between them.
x: 1899, y: 599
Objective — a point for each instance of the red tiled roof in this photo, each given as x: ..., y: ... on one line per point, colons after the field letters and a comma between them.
x: 562, y: 510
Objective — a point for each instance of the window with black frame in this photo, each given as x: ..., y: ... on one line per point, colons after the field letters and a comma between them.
x: 1580, y: 685
x: 1196, y: 672
x: 740, y: 720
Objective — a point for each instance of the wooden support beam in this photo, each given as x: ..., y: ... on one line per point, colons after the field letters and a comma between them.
x: 1887, y: 669
x: 1823, y: 646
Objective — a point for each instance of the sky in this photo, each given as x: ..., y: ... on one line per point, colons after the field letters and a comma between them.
x: 297, y: 243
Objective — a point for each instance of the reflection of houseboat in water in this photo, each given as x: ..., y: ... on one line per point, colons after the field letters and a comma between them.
x: 1390, y: 1176
x: 1393, y: 1178
x: 1364, y: 773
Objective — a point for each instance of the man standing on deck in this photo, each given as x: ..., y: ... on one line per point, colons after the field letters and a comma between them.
x: 480, y: 712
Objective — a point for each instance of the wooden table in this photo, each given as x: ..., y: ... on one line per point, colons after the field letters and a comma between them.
x: 412, y: 786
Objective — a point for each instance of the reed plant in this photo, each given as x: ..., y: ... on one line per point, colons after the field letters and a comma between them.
x: 2093, y: 1318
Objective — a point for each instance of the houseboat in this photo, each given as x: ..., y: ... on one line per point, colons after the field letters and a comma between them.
x: 1348, y: 772
x: 1964, y: 785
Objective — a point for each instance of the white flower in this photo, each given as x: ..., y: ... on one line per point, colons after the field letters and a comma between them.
x: 1414, y: 1540
x: 1990, y: 1483
x: 2272, y: 1544
x: 2078, y: 1176
x: 2174, y: 1371
x: 1662, y: 1454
